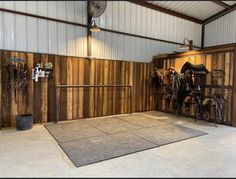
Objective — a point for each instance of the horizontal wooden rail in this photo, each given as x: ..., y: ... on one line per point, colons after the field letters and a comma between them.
x: 94, y: 86
x: 59, y: 87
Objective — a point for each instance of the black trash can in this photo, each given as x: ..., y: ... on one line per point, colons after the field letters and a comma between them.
x: 24, y: 122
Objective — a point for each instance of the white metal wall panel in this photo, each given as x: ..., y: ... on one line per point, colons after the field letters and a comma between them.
x: 21, y: 33
x: 108, y: 45
x: 53, y: 38
x: 42, y: 8
x: 221, y: 31
x: 127, y: 12
x: 8, y: 4
x: 71, y: 39
x: 31, y: 7
x: 52, y: 9
x: 62, y: 40
x: 121, y: 16
x: 20, y: 6
x: 70, y: 11
x: 81, y: 41
x: 38, y: 35
x: 1, y: 30
x: 135, y: 19
x: 74, y: 11
x: 32, y: 34
x: 42, y: 36
x: 8, y: 31
x: 61, y: 8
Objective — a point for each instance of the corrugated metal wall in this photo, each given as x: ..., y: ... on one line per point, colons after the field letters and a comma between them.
x: 116, y: 46
x: 131, y: 18
x: 23, y: 33
x: 221, y: 31
x: 31, y: 34
x: 135, y: 19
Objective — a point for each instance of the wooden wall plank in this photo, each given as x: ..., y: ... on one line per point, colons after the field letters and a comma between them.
x: 69, y: 81
x: 221, y: 60
x: 77, y: 103
x: 134, y: 82
x: 75, y: 81
x: 110, y: 90
x: 63, y: 80
x: 91, y: 90
x: 81, y: 90
x: 13, y: 97
x: 131, y: 72
x: 30, y: 91
x: 6, y: 105
x: 233, y: 112
x: 44, y: 93
x: 52, y: 83
x: 105, y: 90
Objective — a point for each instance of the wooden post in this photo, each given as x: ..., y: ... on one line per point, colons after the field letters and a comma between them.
x: 58, y: 104
x: 233, y: 112
x: 89, y: 33
x: 130, y: 103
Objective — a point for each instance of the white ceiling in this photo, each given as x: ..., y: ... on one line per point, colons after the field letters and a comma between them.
x: 197, y: 9
x: 230, y: 2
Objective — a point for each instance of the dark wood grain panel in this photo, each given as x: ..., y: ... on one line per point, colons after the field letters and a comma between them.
x: 77, y: 103
x: 1, y: 104
x: 225, y: 61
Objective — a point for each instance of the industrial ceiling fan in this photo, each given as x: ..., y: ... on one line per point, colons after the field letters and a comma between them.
x: 95, y: 9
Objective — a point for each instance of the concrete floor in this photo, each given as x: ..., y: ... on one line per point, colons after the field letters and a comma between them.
x: 35, y: 153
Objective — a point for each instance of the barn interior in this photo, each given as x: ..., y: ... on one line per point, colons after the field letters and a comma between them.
x: 117, y: 88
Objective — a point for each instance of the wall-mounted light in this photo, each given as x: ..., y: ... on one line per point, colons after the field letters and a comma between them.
x: 94, y: 27
x: 187, y: 45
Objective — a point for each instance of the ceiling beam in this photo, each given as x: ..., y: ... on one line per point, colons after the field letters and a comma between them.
x: 219, y: 14
x: 224, y: 5
x: 167, y: 11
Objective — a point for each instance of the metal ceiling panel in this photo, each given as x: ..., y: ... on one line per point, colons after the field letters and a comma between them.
x: 197, y: 9
x: 230, y: 2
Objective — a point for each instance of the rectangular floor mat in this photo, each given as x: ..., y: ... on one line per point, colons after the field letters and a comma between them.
x: 89, y: 141
x: 72, y: 130
x: 166, y: 134
x: 96, y: 149
x: 142, y: 121
x: 112, y: 125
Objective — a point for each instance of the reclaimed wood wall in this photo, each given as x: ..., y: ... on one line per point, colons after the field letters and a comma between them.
x: 77, y: 103
x: 220, y: 60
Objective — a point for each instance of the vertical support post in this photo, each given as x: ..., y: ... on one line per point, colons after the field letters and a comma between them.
x: 203, y: 36
x: 89, y: 33
x: 58, y: 91
x: 233, y: 103
x: 130, y: 103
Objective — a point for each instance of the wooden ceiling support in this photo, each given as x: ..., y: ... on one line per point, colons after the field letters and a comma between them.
x: 219, y: 14
x: 224, y: 5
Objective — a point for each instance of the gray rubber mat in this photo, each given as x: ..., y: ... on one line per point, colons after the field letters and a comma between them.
x: 72, y: 130
x: 166, y: 134
x: 142, y: 121
x: 94, y: 140
x: 111, y: 125
x: 91, y: 150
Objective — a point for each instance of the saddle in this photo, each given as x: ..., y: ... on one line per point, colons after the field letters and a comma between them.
x: 195, y: 69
